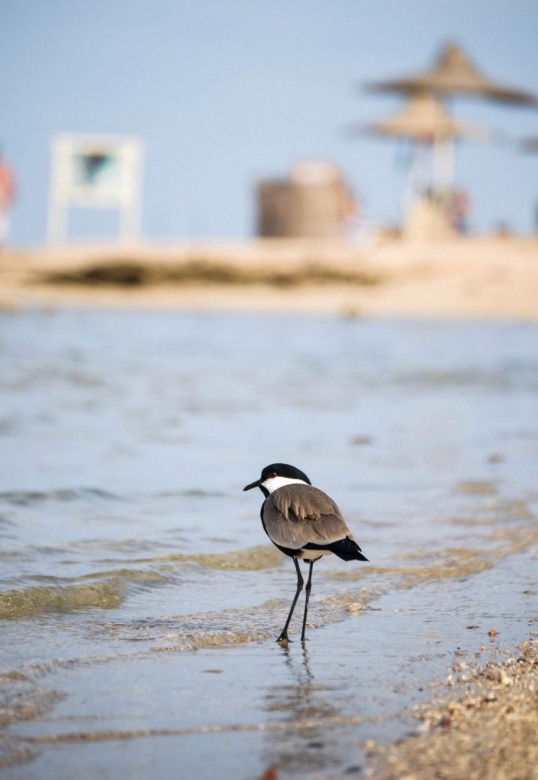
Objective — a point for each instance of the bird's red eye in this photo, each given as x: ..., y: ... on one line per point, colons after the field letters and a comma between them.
x: 273, y: 474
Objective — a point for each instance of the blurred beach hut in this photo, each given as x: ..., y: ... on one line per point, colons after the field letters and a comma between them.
x: 452, y: 74
x: 314, y: 201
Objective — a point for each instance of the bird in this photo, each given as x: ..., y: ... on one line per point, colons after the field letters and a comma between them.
x: 304, y: 523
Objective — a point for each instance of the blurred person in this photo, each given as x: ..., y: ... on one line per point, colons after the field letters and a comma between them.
x: 458, y: 210
x: 7, y: 196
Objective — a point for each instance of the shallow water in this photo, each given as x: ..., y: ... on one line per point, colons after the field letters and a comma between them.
x: 139, y: 598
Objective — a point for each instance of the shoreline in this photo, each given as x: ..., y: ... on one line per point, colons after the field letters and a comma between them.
x: 464, y: 278
x: 482, y: 724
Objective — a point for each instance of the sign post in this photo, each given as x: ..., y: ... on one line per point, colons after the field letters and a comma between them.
x: 95, y: 172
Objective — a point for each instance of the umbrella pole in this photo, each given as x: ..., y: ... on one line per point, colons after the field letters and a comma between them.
x: 443, y: 165
x: 418, y: 174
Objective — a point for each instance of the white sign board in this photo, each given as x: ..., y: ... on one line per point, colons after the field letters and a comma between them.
x: 95, y: 172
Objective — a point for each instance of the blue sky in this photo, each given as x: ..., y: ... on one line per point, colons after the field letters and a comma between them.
x: 224, y: 92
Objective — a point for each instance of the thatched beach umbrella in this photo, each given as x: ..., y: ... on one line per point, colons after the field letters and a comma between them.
x: 454, y: 74
x: 423, y: 120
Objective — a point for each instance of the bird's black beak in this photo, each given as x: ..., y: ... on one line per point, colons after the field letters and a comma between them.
x: 253, y: 485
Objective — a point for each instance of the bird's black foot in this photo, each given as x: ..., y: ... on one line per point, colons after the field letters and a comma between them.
x: 283, y: 639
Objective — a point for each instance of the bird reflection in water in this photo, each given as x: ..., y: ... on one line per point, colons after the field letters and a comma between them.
x: 305, y: 706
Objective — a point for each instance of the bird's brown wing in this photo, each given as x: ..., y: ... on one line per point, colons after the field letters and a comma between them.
x: 295, y: 515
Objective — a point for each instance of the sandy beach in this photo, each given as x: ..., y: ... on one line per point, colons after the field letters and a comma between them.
x: 482, y: 723
x: 474, y: 277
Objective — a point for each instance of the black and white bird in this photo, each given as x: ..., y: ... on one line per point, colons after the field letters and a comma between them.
x: 304, y: 523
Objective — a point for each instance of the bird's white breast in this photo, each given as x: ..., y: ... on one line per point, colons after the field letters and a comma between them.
x: 273, y: 483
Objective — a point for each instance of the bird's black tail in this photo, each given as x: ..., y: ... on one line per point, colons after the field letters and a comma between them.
x: 347, y: 550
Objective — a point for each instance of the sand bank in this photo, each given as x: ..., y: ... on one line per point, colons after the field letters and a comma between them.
x: 458, y: 278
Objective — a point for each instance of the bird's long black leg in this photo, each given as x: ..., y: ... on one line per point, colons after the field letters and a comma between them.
x: 307, y: 598
x: 300, y: 582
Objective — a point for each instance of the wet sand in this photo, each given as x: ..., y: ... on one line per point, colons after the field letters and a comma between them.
x: 462, y: 278
x: 481, y: 724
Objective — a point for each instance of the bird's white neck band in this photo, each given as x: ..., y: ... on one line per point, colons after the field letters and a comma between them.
x: 273, y: 483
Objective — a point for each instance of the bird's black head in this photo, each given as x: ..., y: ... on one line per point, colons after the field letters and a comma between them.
x: 278, y: 470
x: 284, y: 470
